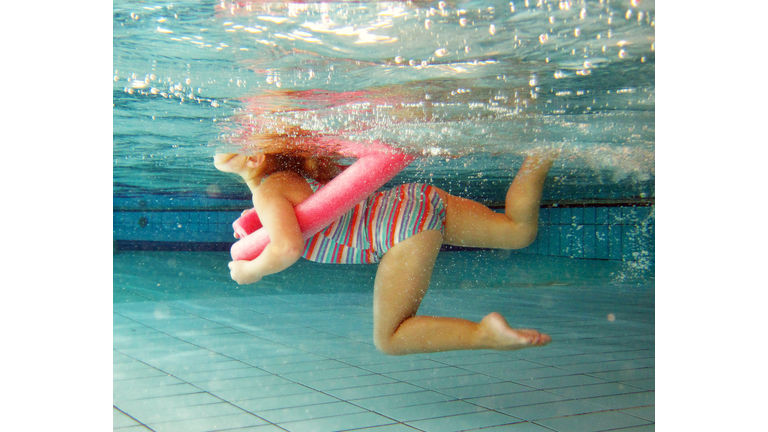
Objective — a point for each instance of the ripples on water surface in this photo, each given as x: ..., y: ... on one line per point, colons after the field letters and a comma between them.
x: 470, y: 85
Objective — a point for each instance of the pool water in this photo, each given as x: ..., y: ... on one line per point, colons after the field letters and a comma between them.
x: 193, y: 351
x: 470, y: 87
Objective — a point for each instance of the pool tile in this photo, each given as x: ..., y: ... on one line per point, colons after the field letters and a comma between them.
x: 246, y: 372
x: 120, y: 420
x: 475, y: 358
x: 563, y: 381
x: 626, y: 374
x: 601, y: 242
x: 554, y: 240
x: 160, y: 381
x: 429, y: 411
x: 305, y: 366
x: 325, y: 374
x: 338, y: 423
x: 516, y: 427
x: 180, y: 413
x: 289, y: 401
x: 609, y: 366
x: 646, y: 384
x: 630, y: 400
x: 516, y: 399
x: 267, y: 363
x: 464, y: 422
x: 456, y: 381
x: 350, y: 382
x: 617, y: 354
x: 485, y: 390
x: 168, y: 402
x: 402, y: 366
x: 527, y: 375
x: 402, y: 400
x: 590, y: 242
x: 389, y: 428
x: 246, y: 393
x: 614, y: 242
x: 135, y: 393
x: 595, y: 390
x: 552, y: 409
x: 138, y: 371
x: 209, y: 424
x: 593, y: 422
x: 646, y: 413
x: 422, y: 374
x: 308, y: 412
x: 589, y: 215
x: 251, y: 382
x: 502, y: 367
x: 373, y: 391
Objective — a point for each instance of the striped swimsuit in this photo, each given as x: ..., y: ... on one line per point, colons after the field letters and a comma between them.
x: 364, y: 234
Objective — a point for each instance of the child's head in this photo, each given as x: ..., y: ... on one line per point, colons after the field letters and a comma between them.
x: 292, y: 149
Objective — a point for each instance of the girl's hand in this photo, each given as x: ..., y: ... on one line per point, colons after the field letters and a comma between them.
x: 241, y: 274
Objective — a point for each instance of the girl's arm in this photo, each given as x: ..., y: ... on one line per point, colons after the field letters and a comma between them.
x: 274, y: 201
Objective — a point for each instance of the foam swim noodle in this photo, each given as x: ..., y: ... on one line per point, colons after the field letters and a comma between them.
x: 366, y: 175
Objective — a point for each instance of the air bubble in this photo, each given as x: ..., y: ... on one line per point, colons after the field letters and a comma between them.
x: 543, y: 38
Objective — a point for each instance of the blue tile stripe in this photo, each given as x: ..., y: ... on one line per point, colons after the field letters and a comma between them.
x: 621, y: 233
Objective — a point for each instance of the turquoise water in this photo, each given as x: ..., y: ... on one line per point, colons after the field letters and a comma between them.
x: 470, y: 87
x: 470, y: 79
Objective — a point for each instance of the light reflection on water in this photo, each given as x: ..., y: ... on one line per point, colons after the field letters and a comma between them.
x: 483, y: 81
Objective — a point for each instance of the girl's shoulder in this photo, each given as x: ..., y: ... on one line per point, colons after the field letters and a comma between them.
x: 288, y: 184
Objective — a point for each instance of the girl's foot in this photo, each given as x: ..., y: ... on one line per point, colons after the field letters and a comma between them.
x: 500, y: 336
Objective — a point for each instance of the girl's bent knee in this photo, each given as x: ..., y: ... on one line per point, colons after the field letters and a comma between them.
x: 528, y: 237
x: 522, y: 237
x: 386, y: 346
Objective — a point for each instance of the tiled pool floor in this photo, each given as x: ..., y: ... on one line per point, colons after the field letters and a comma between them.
x: 193, y: 352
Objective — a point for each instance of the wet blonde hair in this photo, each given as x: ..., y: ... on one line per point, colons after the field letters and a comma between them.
x: 295, y: 149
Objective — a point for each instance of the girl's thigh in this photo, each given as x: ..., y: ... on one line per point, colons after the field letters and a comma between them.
x: 402, y: 281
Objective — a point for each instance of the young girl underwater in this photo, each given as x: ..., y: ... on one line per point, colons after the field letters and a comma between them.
x: 427, y: 217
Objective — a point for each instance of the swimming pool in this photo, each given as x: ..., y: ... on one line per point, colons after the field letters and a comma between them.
x: 469, y: 86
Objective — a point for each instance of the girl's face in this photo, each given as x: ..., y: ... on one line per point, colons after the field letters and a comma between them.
x: 246, y: 166
x: 230, y: 162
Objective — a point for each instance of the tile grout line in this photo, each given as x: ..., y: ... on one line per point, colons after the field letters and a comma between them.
x: 133, y: 418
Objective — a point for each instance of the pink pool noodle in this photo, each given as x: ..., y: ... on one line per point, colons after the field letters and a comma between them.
x: 353, y: 185
x: 249, y: 222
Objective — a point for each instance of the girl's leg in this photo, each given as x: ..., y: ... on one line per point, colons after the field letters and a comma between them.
x: 401, y: 283
x: 472, y: 224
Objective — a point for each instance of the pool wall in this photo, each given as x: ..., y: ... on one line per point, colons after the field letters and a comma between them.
x: 614, y: 231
